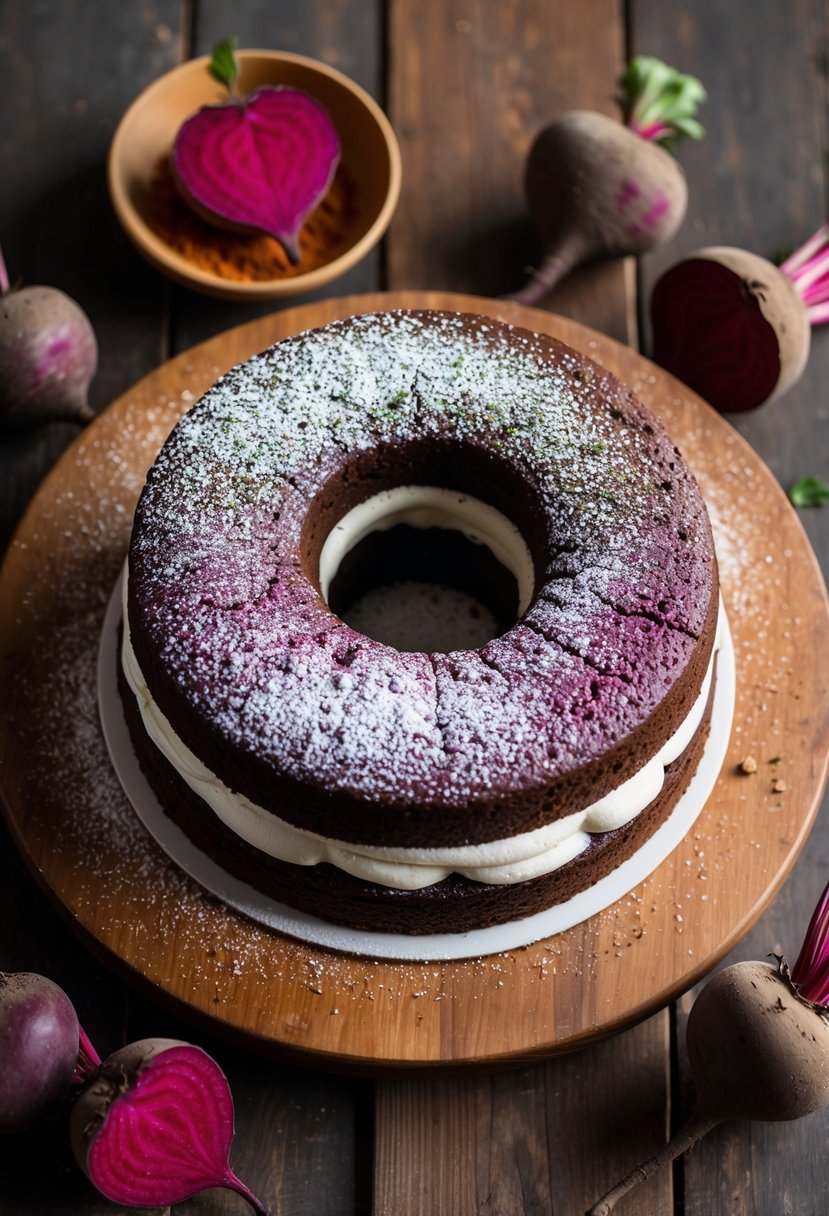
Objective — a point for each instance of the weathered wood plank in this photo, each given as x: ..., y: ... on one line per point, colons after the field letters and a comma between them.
x: 469, y: 88
x: 758, y: 181
x: 547, y: 1139
x: 56, y: 223
x: 57, y: 227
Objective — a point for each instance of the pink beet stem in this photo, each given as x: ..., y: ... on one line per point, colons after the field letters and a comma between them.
x: 810, y: 974
x: 4, y: 275
x: 235, y: 1184
x: 806, y: 251
x: 88, y: 1058
x: 811, y: 272
x: 818, y: 293
x: 817, y: 272
x: 818, y: 314
x: 651, y: 130
x: 808, y: 270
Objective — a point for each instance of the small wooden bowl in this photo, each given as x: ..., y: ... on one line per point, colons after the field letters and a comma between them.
x: 370, y: 157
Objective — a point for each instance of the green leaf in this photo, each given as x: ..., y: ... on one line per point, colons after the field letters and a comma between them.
x: 224, y: 66
x: 809, y: 492
x: 659, y: 102
x: 689, y: 127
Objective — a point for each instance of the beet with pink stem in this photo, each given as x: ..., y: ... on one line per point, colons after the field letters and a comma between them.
x: 260, y: 164
x: 48, y: 356
x: 597, y: 188
x: 736, y: 328
x: 758, y: 1044
x: 155, y: 1124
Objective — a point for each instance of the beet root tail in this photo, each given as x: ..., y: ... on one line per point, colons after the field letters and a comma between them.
x: 696, y: 1127
x: 232, y: 1183
x: 542, y: 281
x: 563, y: 255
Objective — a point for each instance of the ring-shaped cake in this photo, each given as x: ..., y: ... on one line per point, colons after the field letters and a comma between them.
x: 408, y: 791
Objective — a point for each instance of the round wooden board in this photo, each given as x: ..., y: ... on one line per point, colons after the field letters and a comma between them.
x: 85, y: 845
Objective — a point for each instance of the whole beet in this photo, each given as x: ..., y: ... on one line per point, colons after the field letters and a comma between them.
x: 48, y: 356
x: 599, y: 188
x: 758, y: 1049
x: 596, y: 189
x: 39, y: 1037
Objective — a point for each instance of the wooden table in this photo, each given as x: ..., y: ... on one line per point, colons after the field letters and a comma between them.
x: 466, y: 85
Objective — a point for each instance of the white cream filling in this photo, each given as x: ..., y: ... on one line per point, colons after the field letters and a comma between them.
x: 431, y: 507
x: 513, y: 860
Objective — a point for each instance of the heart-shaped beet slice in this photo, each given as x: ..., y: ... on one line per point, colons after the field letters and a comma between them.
x: 155, y: 1125
x: 259, y: 165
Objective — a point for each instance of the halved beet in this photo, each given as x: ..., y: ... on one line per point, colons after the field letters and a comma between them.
x: 258, y: 165
x: 154, y: 1126
x: 730, y: 325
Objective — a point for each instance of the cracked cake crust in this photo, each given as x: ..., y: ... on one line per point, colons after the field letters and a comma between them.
x: 355, y: 740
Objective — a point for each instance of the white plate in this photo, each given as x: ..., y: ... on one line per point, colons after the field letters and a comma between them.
x: 433, y: 947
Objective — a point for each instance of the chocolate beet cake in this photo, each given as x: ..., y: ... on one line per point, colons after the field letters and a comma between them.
x: 403, y: 790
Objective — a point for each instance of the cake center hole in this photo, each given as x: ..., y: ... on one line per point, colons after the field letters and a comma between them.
x: 427, y: 569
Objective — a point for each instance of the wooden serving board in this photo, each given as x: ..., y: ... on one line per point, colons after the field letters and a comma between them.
x: 132, y: 905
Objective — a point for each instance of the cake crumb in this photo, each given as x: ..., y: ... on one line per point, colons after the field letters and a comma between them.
x: 778, y: 786
x: 748, y: 765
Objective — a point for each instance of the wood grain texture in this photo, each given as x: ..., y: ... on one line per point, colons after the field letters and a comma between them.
x: 69, y: 70
x: 758, y: 181
x: 82, y: 839
x: 469, y: 88
x: 528, y: 1142
x: 56, y: 224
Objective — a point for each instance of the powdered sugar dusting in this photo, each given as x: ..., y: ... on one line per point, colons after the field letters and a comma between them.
x: 244, y: 635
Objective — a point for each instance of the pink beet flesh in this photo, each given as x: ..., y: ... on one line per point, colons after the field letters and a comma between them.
x: 261, y: 165
x: 168, y: 1136
x: 709, y: 331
